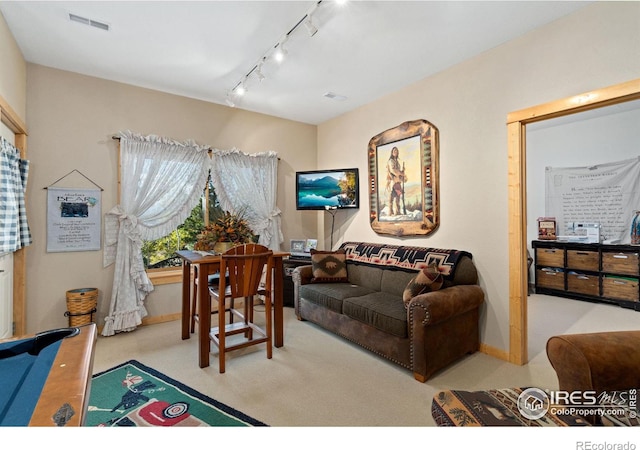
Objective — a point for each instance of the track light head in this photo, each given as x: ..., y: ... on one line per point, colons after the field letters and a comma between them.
x: 280, y: 52
x: 240, y: 89
x: 259, y: 72
x: 311, y: 28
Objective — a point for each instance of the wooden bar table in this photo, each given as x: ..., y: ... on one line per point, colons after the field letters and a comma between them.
x: 210, y: 264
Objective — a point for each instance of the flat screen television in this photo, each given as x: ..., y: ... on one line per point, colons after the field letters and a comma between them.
x: 327, y: 189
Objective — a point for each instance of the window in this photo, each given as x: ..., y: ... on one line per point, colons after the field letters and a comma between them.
x: 159, y: 255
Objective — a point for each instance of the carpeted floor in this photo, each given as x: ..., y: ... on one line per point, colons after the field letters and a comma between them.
x: 319, y: 379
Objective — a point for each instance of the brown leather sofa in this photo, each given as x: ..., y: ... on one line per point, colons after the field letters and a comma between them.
x: 604, y: 362
x: 432, y: 331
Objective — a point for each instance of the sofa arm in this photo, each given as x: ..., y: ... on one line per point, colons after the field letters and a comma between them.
x: 438, y: 306
x: 605, y: 361
x: 301, y: 275
x: 443, y: 326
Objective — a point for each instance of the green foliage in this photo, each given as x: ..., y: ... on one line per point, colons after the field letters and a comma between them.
x: 184, y: 237
x: 226, y: 227
x: 161, y: 252
x: 348, y: 186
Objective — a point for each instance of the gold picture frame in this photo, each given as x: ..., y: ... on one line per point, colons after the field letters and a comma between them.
x: 403, y: 180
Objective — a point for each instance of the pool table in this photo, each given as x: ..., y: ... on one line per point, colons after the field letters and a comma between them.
x: 45, y: 379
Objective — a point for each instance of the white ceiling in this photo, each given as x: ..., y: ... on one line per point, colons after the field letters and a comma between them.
x: 363, y: 50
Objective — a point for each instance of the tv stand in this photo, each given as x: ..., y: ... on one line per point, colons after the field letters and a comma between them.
x: 591, y: 272
x: 288, y: 265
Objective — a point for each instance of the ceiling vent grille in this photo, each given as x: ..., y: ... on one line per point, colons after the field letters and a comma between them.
x: 91, y: 23
x: 334, y: 96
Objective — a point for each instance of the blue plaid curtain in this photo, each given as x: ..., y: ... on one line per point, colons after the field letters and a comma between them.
x: 14, y: 229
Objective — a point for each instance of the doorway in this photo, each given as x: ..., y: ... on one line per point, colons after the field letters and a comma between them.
x: 516, y: 133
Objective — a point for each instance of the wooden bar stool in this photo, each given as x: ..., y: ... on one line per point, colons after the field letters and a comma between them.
x: 214, y: 280
x: 244, y: 265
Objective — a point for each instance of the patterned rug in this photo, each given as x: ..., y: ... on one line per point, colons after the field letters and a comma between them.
x: 134, y: 395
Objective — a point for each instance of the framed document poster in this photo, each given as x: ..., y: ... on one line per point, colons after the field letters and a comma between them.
x: 73, y: 219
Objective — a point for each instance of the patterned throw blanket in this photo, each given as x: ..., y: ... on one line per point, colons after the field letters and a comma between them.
x: 400, y: 257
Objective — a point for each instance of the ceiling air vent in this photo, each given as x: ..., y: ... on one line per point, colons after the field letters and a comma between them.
x: 334, y: 96
x: 91, y: 23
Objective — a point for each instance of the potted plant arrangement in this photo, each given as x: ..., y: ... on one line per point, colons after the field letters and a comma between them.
x: 225, y: 231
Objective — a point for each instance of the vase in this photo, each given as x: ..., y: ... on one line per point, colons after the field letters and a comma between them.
x: 221, y: 247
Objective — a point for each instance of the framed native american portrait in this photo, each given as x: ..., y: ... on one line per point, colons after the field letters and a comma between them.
x: 403, y: 180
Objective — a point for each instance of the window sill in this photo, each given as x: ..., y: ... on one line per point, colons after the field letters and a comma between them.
x: 165, y: 276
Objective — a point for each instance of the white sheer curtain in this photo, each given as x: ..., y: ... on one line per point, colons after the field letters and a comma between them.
x: 248, y: 183
x: 161, y: 182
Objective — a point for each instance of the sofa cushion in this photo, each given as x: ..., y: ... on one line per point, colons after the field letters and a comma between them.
x: 381, y: 310
x: 329, y: 267
x: 427, y: 280
x: 394, y: 281
x: 331, y: 295
x: 369, y: 277
x: 465, y: 273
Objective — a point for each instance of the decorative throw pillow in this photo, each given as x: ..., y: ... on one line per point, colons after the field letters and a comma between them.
x: 329, y: 267
x: 427, y: 280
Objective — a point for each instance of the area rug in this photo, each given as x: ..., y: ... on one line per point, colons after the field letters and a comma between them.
x: 134, y: 395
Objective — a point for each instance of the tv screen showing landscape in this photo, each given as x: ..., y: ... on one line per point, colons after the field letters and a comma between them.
x: 322, y: 189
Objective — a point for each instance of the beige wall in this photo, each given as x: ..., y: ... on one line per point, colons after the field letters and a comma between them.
x: 13, y: 72
x: 72, y: 119
x: 596, y: 47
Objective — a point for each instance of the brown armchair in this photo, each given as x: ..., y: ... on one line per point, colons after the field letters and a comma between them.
x: 600, y: 362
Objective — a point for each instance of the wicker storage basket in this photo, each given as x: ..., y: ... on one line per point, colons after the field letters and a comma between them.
x: 81, y: 304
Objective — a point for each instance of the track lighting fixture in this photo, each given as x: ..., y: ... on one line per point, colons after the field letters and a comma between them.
x: 278, y: 52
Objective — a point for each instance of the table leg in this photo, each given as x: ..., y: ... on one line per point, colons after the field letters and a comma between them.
x: 204, y: 315
x: 186, y: 310
x: 278, y: 304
